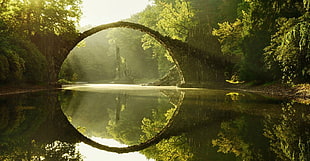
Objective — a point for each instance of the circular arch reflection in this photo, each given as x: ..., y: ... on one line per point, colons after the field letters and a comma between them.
x: 176, y: 101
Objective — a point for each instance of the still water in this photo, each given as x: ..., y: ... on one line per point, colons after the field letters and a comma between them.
x: 131, y: 122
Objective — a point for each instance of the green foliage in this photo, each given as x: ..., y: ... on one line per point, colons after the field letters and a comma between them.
x: 17, y: 65
x: 159, y: 53
x: 26, y: 27
x: 31, y: 29
x: 4, y: 68
x: 20, y: 59
x: 61, y: 151
x: 249, y: 37
x: 51, y: 16
x: 289, y: 49
x: 174, y: 18
x: 35, y: 62
x: 267, y: 40
x: 208, y: 14
x: 230, y: 37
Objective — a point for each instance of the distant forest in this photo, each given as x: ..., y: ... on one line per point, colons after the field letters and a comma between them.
x: 266, y: 40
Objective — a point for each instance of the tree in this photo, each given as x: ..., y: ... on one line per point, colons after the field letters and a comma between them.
x: 20, y: 59
x: 37, y: 16
x: 230, y: 37
x: 177, y: 19
x: 250, y: 34
x: 173, y: 18
x: 33, y: 28
x: 289, y: 49
x: 50, y: 25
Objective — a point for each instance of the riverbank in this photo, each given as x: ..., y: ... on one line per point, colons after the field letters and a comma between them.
x: 299, y: 93
x: 18, y: 89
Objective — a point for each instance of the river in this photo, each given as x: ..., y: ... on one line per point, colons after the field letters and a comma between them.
x: 95, y: 122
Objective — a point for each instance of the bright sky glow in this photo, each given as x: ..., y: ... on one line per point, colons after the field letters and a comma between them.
x: 93, y: 154
x: 98, y: 12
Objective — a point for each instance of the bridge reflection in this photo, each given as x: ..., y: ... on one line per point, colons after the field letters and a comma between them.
x: 40, y: 124
x: 193, y: 108
x: 120, y: 93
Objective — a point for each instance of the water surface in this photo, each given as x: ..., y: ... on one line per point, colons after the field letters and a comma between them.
x: 171, y: 123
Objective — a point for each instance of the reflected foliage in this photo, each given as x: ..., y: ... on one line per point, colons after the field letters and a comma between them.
x: 133, y: 125
x: 22, y: 125
x: 175, y: 148
x: 152, y: 126
x: 172, y: 148
x: 232, y: 139
x: 20, y: 116
x: 31, y: 150
x: 289, y: 135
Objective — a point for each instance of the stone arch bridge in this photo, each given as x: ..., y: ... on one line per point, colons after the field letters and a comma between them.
x: 194, y: 66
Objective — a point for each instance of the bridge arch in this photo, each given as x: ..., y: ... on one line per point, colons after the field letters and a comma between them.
x: 165, y: 41
x: 195, y: 67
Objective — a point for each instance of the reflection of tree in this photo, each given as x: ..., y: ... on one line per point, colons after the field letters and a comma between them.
x: 127, y: 128
x: 290, y: 135
x: 124, y: 129
x: 23, y: 119
x: 173, y: 148
x: 231, y: 140
x: 151, y: 127
x: 20, y: 115
x: 31, y: 150
x: 61, y: 151
x: 121, y: 103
